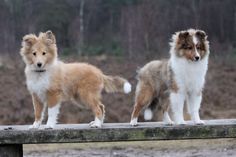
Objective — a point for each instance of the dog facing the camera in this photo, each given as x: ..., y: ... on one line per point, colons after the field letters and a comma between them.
x: 51, y: 81
x: 175, y: 81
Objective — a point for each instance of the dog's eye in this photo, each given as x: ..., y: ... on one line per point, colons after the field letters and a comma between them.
x: 34, y: 53
x: 198, y: 47
x: 44, y: 53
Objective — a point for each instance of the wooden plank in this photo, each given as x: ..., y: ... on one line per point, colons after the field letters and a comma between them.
x: 72, y: 133
x: 13, y: 150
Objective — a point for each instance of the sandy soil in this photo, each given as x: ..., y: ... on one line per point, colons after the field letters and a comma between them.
x: 182, y: 148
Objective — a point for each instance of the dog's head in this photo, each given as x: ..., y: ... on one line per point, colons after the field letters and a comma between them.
x: 39, y: 52
x: 191, y: 44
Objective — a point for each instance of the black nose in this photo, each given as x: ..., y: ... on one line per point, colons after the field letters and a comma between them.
x: 39, y: 64
x: 197, y: 58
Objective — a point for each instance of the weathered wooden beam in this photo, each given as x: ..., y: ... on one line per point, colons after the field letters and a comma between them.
x: 12, y: 150
x: 117, y: 132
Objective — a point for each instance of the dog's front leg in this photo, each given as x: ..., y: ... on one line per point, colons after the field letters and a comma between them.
x: 194, y: 102
x: 53, y: 102
x: 38, y: 112
x: 177, y: 107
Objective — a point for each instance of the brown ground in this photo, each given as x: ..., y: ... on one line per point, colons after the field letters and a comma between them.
x: 16, y: 106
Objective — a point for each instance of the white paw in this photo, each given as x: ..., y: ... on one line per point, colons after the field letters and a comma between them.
x: 48, y: 126
x: 182, y: 122
x: 170, y: 122
x: 134, y: 122
x: 93, y: 124
x: 127, y: 87
x: 35, y: 125
x: 199, y: 122
x: 97, y: 123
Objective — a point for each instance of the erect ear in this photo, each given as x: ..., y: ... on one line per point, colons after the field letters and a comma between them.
x: 201, y: 35
x: 50, y: 37
x: 29, y: 40
x: 183, y: 35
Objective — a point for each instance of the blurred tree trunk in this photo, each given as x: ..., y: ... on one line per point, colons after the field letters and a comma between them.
x: 130, y: 40
x: 195, y: 7
x: 81, y: 27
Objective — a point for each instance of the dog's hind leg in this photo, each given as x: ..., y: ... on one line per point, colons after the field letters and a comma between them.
x: 164, y: 106
x: 92, y: 99
x: 144, y: 95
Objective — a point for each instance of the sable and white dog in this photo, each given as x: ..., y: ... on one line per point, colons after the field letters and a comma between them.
x: 174, y: 81
x: 51, y: 81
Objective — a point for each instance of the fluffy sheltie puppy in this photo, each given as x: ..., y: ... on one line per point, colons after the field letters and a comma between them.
x: 174, y: 81
x: 51, y: 81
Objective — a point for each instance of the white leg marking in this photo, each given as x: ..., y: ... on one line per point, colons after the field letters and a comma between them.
x: 194, y: 102
x: 35, y: 125
x: 166, y: 119
x: 97, y: 123
x: 134, y: 122
x: 177, y: 105
x: 52, y: 116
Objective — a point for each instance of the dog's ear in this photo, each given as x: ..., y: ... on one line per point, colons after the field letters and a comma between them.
x: 201, y: 35
x: 50, y: 37
x: 183, y: 35
x: 29, y: 40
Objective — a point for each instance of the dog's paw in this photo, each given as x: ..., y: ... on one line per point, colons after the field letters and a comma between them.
x: 134, y: 122
x: 199, y: 122
x: 35, y: 125
x: 180, y: 122
x: 47, y: 127
x: 169, y: 123
x: 50, y: 126
x: 95, y: 124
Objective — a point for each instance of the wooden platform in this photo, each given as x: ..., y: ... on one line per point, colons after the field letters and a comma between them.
x: 74, y: 133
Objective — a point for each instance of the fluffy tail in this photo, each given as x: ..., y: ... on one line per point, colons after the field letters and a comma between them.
x: 148, y: 112
x: 116, y: 84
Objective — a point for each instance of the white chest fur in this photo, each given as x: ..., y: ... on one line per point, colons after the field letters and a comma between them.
x: 38, y: 83
x: 189, y: 76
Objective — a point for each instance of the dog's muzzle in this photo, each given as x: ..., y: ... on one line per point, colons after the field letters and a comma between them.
x: 40, y: 70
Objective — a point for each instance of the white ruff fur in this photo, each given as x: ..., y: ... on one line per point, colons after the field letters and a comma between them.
x: 38, y: 83
x: 190, y: 79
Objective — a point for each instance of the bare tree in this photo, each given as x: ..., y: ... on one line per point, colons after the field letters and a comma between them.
x: 81, y: 29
